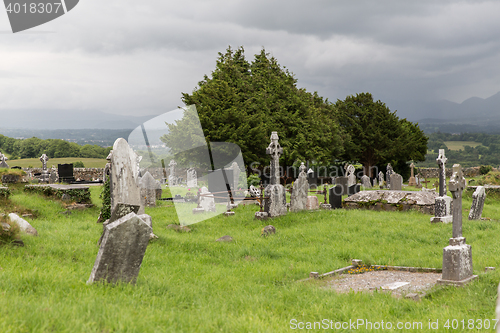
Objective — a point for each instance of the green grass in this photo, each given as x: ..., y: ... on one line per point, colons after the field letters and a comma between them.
x: 457, y: 145
x: 190, y: 283
x: 35, y: 162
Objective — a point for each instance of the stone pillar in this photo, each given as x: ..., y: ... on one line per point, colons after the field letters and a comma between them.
x: 45, y: 173
x: 457, y: 257
x: 388, y: 174
x: 275, y: 151
x: 172, y: 180
x: 442, y: 206
x: 441, y: 161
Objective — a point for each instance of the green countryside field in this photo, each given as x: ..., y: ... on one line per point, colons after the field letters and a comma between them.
x: 35, y: 162
x: 457, y: 145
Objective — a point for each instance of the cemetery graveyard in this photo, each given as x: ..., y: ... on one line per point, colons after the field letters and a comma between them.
x: 283, y: 249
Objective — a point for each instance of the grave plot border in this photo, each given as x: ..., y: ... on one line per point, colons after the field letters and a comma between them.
x: 79, y: 194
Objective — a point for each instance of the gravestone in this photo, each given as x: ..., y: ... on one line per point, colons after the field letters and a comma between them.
x: 236, y: 175
x: 275, y: 204
x: 148, y: 187
x: 44, y: 177
x: 457, y: 257
x: 121, y: 251
x: 477, y: 203
x: 3, y: 163
x: 388, y: 174
x: 312, y: 202
x: 353, y: 189
x: 395, y: 182
x: 300, y: 191
x: 351, y: 178
x: 312, y: 177
x: 335, y: 196
x: 381, y: 179
x: 124, y: 187
x: 365, y: 182
x: 342, y: 181
x: 53, y: 176
x: 207, y: 201
x: 412, y: 181
x: 442, y: 210
x: 172, y: 179
x: 192, y: 178
x: 254, y: 191
x: 375, y: 183
x: 65, y: 172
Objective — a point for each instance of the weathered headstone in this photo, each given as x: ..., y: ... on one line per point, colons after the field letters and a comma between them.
x: 442, y: 210
x: 395, y: 182
x: 342, y: 181
x: 375, y: 183
x: 300, y: 191
x: 275, y: 204
x: 412, y: 181
x: 124, y: 185
x: 381, y: 179
x: 353, y: 189
x: 122, y: 249
x: 441, y: 161
x: 254, y: 191
x: 3, y: 163
x: 312, y: 202
x: 148, y: 187
x: 351, y: 178
x: 388, y: 174
x: 477, y: 203
x: 457, y: 257
x: 53, y: 177
x: 44, y: 177
x: 365, y: 182
x: 192, y: 178
x: 335, y: 196
x: 236, y: 174
x: 172, y: 179
x: 207, y: 201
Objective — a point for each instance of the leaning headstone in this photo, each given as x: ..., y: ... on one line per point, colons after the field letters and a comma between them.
x: 124, y: 185
x: 351, y: 178
x: 207, y: 201
x: 381, y: 179
x: 477, y: 203
x: 148, y: 187
x: 275, y: 202
x: 312, y: 202
x: 412, y: 181
x: 3, y: 163
x: 192, y: 178
x: 24, y: 225
x: 388, y: 174
x: 457, y: 257
x: 335, y: 196
x: 172, y: 179
x: 395, y: 182
x: 122, y: 249
x: 342, y: 181
x: 300, y: 191
x: 365, y: 182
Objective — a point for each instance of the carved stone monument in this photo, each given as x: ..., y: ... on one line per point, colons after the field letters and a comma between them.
x: 351, y: 178
x: 477, y: 203
x: 3, y: 163
x: 44, y: 177
x: 300, y: 191
x: 275, y: 204
x: 395, y: 182
x: 192, y: 178
x: 388, y: 174
x: 365, y: 182
x: 381, y: 179
x: 412, y: 181
x: 442, y: 210
x: 457, y: 257
x: 172, y: 179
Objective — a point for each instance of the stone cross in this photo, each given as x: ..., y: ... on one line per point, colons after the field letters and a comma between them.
x: 3, y: 158
x: 441, y: 161
x: 302, y: 167
x: 44, y: 159
x: 457, y: 185
x: 388, y: 174
x: 412, y: 166
x: 275, y: 151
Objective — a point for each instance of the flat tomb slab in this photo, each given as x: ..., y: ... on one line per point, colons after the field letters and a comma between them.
x: 422, y: 201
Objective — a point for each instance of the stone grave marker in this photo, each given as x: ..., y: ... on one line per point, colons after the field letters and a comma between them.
x: 3, y: 163
x: 365, y: 182
x: 148, y: 187
x: 395, y: 182
x: 53, y: 176
x: 44, y: 177
x: 381, y: 179
x: 342, y: 181
x: 236, y: 175
x: 375, y: 183
x: 457, y: 257
x: 172, y: 179
x: 312, y: 202
x: 388, y: 174
x: 442, y: 210
x: 192, y: 178
x: 275, y: 204
x: 335, y: 196
x: 412, y: 181
x: 300, y: 191
x: 207, y: 201
x: 353, y: 189
x: 351, y: 178
x: 477, y: 203
x: 122, y: 249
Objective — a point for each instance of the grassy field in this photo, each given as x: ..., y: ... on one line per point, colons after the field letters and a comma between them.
x: 457, y: 145
x: 35, y: 162
x: 190, y: 283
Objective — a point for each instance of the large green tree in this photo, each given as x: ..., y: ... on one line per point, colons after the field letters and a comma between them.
x: 243, y: 102
x: 375, y: 135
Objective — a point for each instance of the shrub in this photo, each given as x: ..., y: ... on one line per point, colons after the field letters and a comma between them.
x: 253, y: 180
x: 8, y: 231
x: 78, y: 164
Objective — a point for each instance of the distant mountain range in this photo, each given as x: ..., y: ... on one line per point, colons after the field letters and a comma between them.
x: 67, y: 119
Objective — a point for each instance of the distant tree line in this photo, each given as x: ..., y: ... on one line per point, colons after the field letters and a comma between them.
x: 488, y: 153
x: 53, y: 148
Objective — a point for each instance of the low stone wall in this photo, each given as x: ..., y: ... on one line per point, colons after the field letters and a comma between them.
x: 434, y: 172
x: 87, y: 174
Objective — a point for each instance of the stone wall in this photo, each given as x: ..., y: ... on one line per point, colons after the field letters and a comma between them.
x: 87, y: 174
x: 434, y: 172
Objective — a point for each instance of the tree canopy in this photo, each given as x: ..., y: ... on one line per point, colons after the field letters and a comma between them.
x: 243, y: 102
x: 376, y: 136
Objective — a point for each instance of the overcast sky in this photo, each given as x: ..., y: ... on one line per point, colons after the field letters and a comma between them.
x: 137, y: 57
